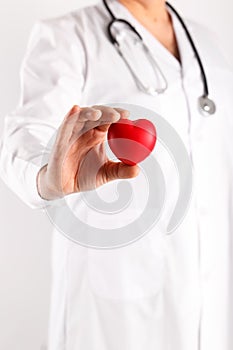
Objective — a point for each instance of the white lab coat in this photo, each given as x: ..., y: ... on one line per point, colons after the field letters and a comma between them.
x: 162, y: 292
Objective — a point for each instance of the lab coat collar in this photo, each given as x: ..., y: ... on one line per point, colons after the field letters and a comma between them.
x: 187, y: 55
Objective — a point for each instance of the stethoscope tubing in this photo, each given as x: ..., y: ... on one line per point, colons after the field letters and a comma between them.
x: 190, y: 39
x: 207, y: 106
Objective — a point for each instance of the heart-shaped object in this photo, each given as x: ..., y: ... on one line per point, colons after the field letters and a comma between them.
x: 132, y: 140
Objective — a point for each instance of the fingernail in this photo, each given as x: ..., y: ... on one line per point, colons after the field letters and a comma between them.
x: 74, y: 109
x: 98, y: 113
x: 125, y: 114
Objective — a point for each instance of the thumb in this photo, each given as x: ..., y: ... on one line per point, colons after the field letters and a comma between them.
x: 119, y: 170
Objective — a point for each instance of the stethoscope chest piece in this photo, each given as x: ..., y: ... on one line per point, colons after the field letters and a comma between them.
x: 207, y: 106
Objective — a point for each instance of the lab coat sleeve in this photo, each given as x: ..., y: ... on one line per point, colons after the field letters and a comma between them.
x: 52, y: 79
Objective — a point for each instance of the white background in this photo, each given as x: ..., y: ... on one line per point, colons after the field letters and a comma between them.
x: 25, y: 233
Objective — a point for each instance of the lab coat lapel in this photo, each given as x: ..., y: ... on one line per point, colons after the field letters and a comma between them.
x: 187, y: 54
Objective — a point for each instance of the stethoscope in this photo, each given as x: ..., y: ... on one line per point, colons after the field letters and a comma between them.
x: 206, y: 106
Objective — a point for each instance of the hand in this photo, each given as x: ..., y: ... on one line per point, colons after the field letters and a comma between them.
x: 78, y: 160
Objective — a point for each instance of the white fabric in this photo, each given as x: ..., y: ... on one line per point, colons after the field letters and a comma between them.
x: 162, y: 292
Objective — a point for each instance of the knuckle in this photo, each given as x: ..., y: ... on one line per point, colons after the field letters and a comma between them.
x: 113, y: 114
x: 123, y: 112
x: 91, y: 114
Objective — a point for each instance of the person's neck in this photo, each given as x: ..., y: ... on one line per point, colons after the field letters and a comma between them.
x: 154, y: 10
x: 153, y: 15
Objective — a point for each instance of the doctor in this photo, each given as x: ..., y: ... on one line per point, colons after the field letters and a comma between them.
x: 161, y: 292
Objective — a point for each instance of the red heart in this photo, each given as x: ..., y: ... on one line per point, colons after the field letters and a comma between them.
x: 132, y: 141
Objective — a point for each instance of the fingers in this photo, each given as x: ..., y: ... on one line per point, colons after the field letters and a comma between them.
x: 106, y: 109
x: 108, y: 115
x: 123, y: 112
x: 80, y: 120
x: 74, y: 109
x: 90, y: 114
x: 118, y: 170
x: 96, y: 113
x: 74, y: 121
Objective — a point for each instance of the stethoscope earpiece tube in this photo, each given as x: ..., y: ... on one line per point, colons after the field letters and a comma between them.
x: 120, y: 20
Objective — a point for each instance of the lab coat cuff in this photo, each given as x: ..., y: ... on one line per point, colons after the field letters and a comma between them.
x: 34, y: 198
